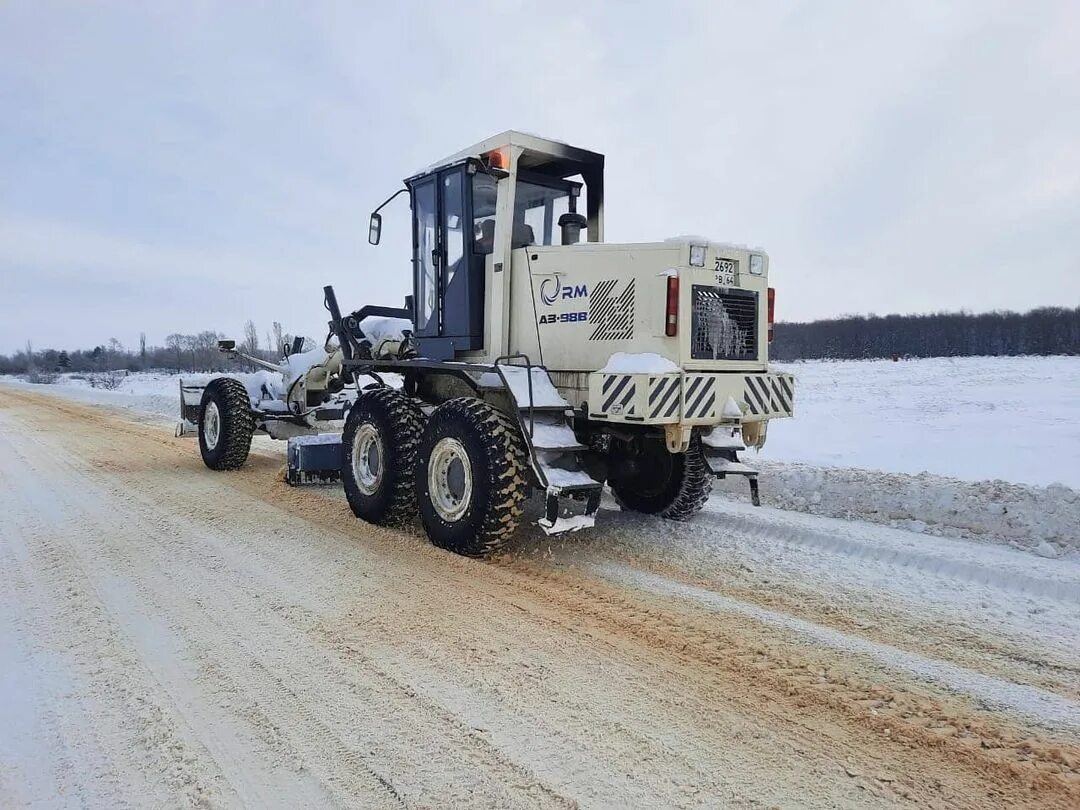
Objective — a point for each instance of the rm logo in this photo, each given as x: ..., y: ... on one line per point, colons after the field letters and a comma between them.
x: 551, y: 291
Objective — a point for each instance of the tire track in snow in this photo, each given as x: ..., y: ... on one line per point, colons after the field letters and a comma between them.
x: 846, y: 575
x: 1045, y: 708
x: 204, y: 581
x: 933, y: 564
x: 785, y: 680
x: 104, y: 676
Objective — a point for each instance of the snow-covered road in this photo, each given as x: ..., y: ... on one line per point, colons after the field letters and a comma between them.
x: 170, y: 636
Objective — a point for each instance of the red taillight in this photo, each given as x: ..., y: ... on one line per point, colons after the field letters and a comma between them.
x: 772, y: 310
x: 671, y: 321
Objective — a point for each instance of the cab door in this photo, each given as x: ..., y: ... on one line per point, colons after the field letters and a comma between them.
x: 455, y: 260
x: 448, y: 279
x: 426, y: 253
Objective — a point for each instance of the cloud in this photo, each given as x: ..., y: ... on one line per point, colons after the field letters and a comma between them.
x: 209, y: 163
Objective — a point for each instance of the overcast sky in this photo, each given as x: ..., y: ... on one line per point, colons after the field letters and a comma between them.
x: 186, y: 166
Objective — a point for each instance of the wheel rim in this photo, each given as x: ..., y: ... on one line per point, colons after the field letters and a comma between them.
x: 450, y: 479
x: 211, y: 425
x: 367, y: 459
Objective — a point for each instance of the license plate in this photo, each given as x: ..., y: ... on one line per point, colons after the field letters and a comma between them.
x: 725, y: 270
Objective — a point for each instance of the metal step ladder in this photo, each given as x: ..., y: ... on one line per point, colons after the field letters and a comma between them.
x: 554, y: 451
x: 722, y: 447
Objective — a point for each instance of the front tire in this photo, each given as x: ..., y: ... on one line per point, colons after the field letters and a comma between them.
x: 470, y: 477
x: 225, y: 424
x: 380, y: 438
x: 646, y: 478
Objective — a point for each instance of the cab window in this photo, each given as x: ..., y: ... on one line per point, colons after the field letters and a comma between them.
x: 484, y: 194
x: 537, y: 208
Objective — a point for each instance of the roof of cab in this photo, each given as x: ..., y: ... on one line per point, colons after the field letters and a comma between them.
x: 539, y: 153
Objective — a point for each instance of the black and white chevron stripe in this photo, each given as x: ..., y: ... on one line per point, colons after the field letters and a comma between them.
x: 699, y: 397
x: 764, y: 395
x: 618, y: 389
x: 612, y: 313
x: 664, y: 397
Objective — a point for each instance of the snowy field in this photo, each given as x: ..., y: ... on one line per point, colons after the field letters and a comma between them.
x: 975, y: 418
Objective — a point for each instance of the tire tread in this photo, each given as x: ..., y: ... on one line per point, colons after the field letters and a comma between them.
x: 406, y: 425
x: 237, y: 423
x: 691, y: 494
x: 507, y: 459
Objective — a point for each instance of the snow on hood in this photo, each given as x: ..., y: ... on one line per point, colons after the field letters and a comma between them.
x: 297, y: 365
x: 697, y: 239
x: 378, y: 329
x: 262, y: 385
x: 643, y: 363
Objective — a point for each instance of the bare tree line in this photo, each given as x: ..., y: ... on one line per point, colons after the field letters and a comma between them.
x: 197, y: 352
x: 1044, y: 331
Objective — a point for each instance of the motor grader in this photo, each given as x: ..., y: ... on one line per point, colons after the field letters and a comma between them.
x: 540, y: 359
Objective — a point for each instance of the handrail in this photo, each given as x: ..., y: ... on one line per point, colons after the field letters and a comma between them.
x: 528, y: 370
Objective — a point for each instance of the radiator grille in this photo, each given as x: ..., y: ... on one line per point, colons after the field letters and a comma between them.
x: 723, y: 324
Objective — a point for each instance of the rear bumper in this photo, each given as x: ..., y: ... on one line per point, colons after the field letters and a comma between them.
x: 690, y: 398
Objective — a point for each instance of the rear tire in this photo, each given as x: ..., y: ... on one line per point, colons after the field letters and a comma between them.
x: 379, y: 444
x: 646, y: 478
x: 225, y: 424
x: 470, y: 477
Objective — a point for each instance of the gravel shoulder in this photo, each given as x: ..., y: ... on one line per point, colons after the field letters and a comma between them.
x: 171, y: 636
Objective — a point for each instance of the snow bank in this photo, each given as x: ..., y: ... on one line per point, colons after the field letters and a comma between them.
x: 642, y: 363
x: 1045, y: 520
x: 154, y: 393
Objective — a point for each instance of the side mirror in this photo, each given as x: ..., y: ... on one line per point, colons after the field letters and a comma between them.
x: 375, y: 229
